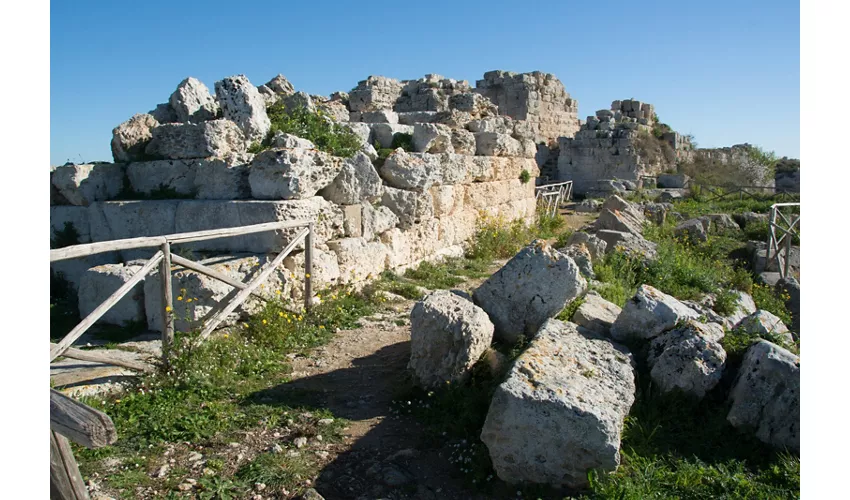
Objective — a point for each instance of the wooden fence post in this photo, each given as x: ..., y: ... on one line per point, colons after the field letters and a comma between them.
x: 66, y: 482
x: 308, y: 268
x: 167, y: 302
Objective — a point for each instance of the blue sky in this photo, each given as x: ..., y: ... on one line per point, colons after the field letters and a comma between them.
x: 726, y: 72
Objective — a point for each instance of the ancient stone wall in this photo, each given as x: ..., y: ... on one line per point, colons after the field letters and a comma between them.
x: 538, y: 98
x: 371, y: 213
x: 618, y: 144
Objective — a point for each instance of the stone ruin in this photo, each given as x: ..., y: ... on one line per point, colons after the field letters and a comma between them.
x: 616, y: 143
x: 186, y: 166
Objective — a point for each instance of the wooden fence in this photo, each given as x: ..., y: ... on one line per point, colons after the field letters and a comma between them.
x: 779, y: 248
x: 88, y: 427
x: 717, y: 192
x: 551, y: 196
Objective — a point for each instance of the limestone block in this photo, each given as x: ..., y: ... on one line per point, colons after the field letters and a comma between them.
x: 532, y: 287
x: 463, y: 141
x: 172, y: 175
x: 648, y: 314
x: 495, y: 144
x: 77, y: 217
x: 357, y: 181
x: 193, y: 103
x: 242, y: 103
x: 291, y: 173
x: 98, y: 283
x: 410, y: 207
x: 325, y: 271
x: 196, y: 296
x: 177, y: 141
x: 383, y: 133
x: 560, y: 411
x: 377, y: 220
x: 289, y: 141
x: 596, y: 314
x: 85, y: 184
x: 223, y: 178
x: 416, y: 172
x: 130, y: 139
x: 447, y: 199
x: 448, y: 334
x: 379, y: 116
x: 352, y: 220
x: 432, y: 138
x: 358, y: 259
x: 687, y: 359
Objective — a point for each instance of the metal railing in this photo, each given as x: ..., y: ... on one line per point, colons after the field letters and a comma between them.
x: 552, y: 196
x: 779, y: 248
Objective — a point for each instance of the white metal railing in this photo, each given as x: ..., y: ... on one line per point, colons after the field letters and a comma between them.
x: 552, y: 196
x: 777, y: 246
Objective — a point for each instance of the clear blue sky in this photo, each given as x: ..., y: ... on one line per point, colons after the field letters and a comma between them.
x: 727, y: 72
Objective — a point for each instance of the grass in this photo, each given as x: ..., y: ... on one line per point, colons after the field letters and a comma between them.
x: 208, y: 393
x: 317, y: 128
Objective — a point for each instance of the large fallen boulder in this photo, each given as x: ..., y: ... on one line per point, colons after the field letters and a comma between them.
x: 630, y: 243
x: 447, y: 336
x: 532, y: 287
x: 689, y: 359
x: 291, y: 174
x: 594, y: 244
x: 648, y: 314
x: 766, y: 396
x: 693, y: 230
x: 619, y: 215
x: 560, y: 412
x: 744, y: 306
x: 596, y: 314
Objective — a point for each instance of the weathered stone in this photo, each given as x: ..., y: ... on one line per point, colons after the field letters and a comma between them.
x: 377, y: 220
x: 693, y: 230
x: 291, y: 173
x: 791, y: 288
x: 560, y: 412
x: 177, y: 141
x: 98, y: 283
x: 192, y: 102
x: 414, y: 117
x: 447, y: 199
x: 223, y: 178
x: 357, y: 181
x: 595, y: 245
x: 164, y: 113
x: 648, y: 314
x: 376, y: 92
x: 325, y: 271
x: 130, y: 139
x: 379, y: 116
x: 482, y: 195
x: 448, y: 334
x: 766, y: 324
x: 177, y: 176
x: 669, y: 195
x: 587, y: 206
x: 88, y: 183
x: 384, y: 133
x: 657, y: 212
x: 596, y: 314
x: 72, y: 270
x: 241, y: 103
x: 463, y: 141
x: 581, y: 256
x: 634, y: 244
x: 280, y: 85
x: 475, y: 104
x: 495, y: 144
x: 744, y: 306
x: 76, y: 217
x: 352, y: 220
x: 675, y: 181
x: 532, y: 287
x: 359, y: 259
x: 766, y: 396
x: 723, y: 222
x: 298, y: 101
x: 687, y: 359
x: 197, y: 296
x: 432, y: 138
x: 409, y: 206
x: 416, y: 172
x: 289, y: 141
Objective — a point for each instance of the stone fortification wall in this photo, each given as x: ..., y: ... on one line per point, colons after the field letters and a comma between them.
x: 185, y: 166
x: 618, y: 144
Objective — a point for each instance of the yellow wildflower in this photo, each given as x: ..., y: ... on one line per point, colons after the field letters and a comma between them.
x: 264, y: 322
x: 277, y: 292
x: 288, y: 320
x: 280, y: 314
x: 307, y: 275
x: 321, y: 327
x: 226, y: 335
x: 168, y: 309
x: 179, y: 297
x: 188, y: 300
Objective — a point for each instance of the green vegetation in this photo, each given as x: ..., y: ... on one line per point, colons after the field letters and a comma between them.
x: 317, y: 128
x: 524, y: 176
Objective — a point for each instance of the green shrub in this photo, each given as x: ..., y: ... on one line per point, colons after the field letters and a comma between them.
x: 771, y: 300
x: 496, y: 238
x: 548, y: 226
x: 403, y: 141
x: 317, y: 128
x: 524, y: 176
